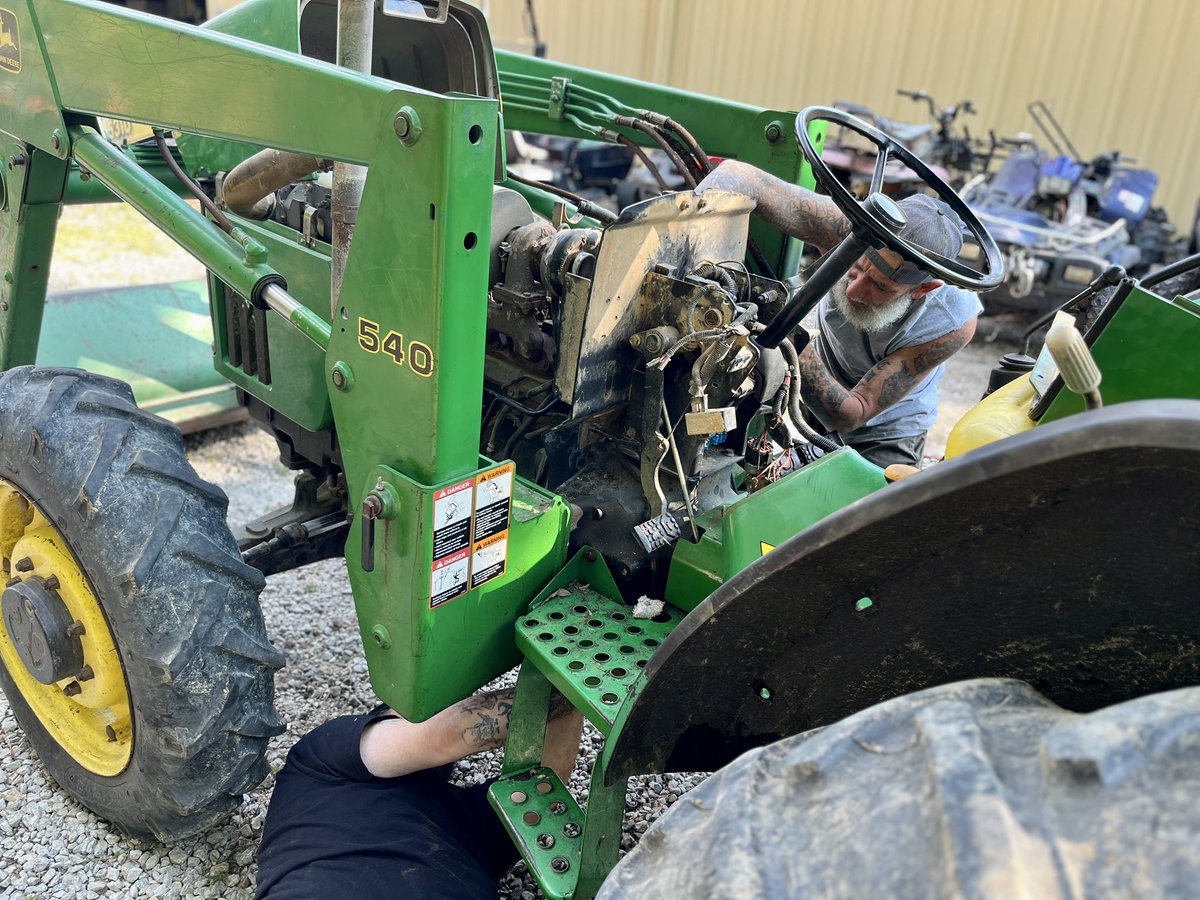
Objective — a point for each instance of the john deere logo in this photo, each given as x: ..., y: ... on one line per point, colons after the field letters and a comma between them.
x: 10, y: 42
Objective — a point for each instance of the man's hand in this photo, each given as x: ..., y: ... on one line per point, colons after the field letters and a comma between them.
x: 787, y: 207
x: 843, y: 410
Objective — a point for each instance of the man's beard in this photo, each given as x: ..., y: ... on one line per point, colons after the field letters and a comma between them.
x: 869, y: 318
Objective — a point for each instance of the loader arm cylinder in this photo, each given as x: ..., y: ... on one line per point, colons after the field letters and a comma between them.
x: 240, y: 264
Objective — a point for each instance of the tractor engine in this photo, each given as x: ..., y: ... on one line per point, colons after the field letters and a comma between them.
x: 620, y: 371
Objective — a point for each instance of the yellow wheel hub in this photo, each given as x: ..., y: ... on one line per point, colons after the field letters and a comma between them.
x: 86, y: 708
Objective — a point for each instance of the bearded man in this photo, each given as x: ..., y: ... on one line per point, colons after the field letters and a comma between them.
x: 885, y: 330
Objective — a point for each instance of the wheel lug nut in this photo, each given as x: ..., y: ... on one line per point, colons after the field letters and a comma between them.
x: 25, y: 564
x: 558, y: 807
x: 571, y: 830
x: 16, y: 579
x: 545, y: 841
x: 52, y: 583
x: 85, y: 674
x: 73, y: 689
x: 111, y: 732
x: 560, y: 864
x: 75, y: 629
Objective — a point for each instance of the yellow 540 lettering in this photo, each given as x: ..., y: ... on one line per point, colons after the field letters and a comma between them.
x: 417, y: 356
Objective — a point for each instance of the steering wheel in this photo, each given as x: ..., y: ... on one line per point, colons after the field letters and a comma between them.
x: 875, y: 221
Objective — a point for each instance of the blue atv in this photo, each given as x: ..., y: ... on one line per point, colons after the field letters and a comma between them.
x: 1061, y: 221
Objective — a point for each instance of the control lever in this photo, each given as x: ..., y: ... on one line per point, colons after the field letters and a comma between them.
x: 1079, y: 371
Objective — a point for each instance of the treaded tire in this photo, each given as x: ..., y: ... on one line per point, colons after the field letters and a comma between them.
x: 976, y: 789
x: 151, y: 539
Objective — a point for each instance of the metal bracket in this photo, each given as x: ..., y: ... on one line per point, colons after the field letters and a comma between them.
x: 558, y: 97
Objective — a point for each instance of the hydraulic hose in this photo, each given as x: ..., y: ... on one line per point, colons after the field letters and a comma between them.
x: 219, y: 217
x: 806, y: 431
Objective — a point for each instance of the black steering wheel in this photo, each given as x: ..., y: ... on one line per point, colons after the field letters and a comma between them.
x: 874, y: 220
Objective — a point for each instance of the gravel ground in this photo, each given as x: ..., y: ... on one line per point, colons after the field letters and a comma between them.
x: 52, y: 847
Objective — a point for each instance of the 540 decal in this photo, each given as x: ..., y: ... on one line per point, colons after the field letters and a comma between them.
x: 417, y: 355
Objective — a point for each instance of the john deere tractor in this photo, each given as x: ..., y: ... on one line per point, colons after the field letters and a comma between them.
x: 516, y: 414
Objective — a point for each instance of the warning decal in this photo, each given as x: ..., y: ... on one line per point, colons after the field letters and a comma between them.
x: 449, y: 578
x: 493, y: 507
x: 10, y: 42
x: 489, y: 559
x: 764, y: 548
x: 470, y: 533
x: 493, y: 502
x: 452, y: 518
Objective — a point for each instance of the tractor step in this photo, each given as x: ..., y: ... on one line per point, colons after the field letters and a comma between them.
x: 592, y: 648
x: 545, y: 823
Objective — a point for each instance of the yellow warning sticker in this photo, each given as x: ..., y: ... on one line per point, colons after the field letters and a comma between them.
x: 10, y: 42
x: 764, y: 548
x: 123, y: 133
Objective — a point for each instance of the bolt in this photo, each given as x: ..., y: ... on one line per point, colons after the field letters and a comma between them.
x: 636, y: 340
x: 16, y: 160
x: 85, y: 176
x: 774, y: 133
x: 342, y: 376
x: 85, y: 674
x: 545, y: 841
x: 24, y: 564
x: 56, y: 139
x: 16, y: 579
x: 339, y: 379
x: 589, y: 555
x: 52, y: 583
x: 560, y: 864
x: 372, y: 506
x: 407, y: 125
x: 558, y: 807
x: 111, y: 732
x: 571, y: 830
x: 72, y: 689
x: 712, y: 318
x: 76, y: 629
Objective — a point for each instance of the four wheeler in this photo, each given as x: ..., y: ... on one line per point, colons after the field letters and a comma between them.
x: 514, y: 417
x: 1063, y: 220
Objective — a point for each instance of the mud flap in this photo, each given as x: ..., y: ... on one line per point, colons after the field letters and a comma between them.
x: 1067, y: 557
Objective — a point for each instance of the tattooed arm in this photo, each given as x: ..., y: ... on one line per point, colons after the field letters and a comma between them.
x: 394, y: 747
x: 843, y: 409
x: 787, y: 207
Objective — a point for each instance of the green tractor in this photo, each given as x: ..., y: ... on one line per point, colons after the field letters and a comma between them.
x: 516, y: 414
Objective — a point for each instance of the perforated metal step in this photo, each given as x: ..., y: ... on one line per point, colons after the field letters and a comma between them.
x: 592, y: 648
x: 545, y: 823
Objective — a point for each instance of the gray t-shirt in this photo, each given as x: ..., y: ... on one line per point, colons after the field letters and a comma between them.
x: 849, y: 353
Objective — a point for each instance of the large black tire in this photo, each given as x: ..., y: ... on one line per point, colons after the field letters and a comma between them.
x: 976, y: 789
x: 150, y: 539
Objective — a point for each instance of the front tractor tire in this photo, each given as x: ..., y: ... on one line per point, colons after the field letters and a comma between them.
x: 133, y: 650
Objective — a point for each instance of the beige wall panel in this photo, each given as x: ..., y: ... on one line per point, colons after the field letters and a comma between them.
x: 1117, y: 73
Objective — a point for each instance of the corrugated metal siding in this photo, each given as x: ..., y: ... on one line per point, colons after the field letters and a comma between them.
x: 1118, y: 74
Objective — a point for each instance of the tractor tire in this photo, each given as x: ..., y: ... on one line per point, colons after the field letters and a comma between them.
x: 133, y: 652
x: 976, y: 789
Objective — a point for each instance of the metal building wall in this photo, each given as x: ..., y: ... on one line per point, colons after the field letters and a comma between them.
x: 1117, y: 73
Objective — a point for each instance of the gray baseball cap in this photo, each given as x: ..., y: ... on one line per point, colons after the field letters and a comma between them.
x: 932, y: 225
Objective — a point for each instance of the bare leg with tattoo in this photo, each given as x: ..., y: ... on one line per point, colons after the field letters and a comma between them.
x: 396, y: 746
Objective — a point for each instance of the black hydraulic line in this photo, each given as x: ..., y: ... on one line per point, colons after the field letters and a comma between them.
x: 521, y: 407
x: 196, y: 191
x: 511, y: 444
x: 653, y: 133
x: 641, y: 154
x: 585, y: 206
